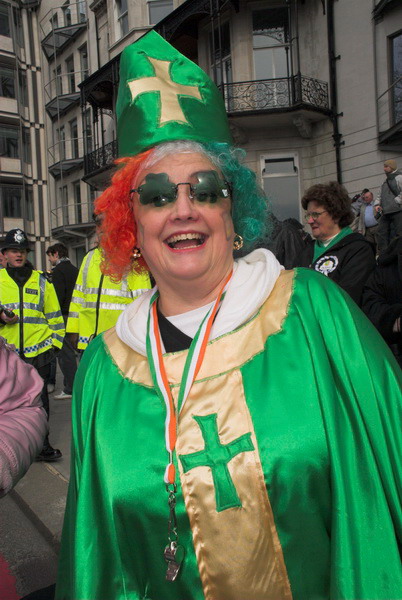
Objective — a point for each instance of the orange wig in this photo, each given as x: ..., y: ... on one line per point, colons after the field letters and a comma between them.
x: 118, y: 230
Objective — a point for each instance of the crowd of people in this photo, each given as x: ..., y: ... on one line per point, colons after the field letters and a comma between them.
x: 236, y: 428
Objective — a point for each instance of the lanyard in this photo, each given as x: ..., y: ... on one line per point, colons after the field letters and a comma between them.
x: 158, y: 372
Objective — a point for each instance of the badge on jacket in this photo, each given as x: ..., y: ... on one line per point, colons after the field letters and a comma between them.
x: 326, y: 264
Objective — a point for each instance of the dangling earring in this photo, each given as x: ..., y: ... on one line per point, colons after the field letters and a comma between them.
x: 136, y: 253
x: 237, y: 242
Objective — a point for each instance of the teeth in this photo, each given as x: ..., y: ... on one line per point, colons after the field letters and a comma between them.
x: 184, y: 236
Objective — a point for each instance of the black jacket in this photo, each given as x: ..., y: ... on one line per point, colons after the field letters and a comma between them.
x: 348, y: 263
x: 63, y: 278
x: 382, y: 294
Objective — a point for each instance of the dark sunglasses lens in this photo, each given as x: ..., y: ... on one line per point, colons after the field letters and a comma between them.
x: 157, y: 190
x: 210, y: 187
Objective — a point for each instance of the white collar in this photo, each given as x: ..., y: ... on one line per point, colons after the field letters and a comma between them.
x: 254, y: 276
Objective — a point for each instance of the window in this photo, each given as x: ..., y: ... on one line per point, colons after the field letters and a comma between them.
x: 84, y: 62
x: 281, y: 184
x: 54, y: 21
x: 9, y: 142
x: 63, y: 204
x: 11, y: 201
x: 87, y: 124
x: 70, y: 75
x: 19, y: 35
x: 26, y: 145
x: 74, y: 138
x: 7, y: 82
x: 22, y: 87
x: 4, y: 21
x: 221, y: 62
x: 270, y: 43
x: 29, y: 204
x: 122, y: 17
x: 61, y: 135
x: 77, y: 201
x: 396, y: 74
x: 67, y: 14
x: 82, y: 12
x: 58, y: 81
x: 159, y: 9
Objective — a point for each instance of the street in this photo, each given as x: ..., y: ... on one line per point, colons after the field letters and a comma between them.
x: 31, y: 515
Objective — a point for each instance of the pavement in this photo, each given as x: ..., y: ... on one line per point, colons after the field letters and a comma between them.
x: 41, y: 493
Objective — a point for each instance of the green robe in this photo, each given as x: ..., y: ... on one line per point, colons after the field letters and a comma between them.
x: 288, y: 452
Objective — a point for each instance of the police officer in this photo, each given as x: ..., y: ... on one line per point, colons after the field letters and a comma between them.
x: 98, y: 301
x: 30, y: 316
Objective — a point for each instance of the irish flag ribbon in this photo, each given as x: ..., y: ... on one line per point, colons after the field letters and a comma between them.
x: 191, y: 368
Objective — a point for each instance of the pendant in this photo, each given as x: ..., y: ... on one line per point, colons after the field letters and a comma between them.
x: 174, y: 554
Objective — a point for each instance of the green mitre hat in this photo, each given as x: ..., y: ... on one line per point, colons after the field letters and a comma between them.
x: 164, y: 96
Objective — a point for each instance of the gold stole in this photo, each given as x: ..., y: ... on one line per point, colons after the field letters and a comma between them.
x: 238, y: 550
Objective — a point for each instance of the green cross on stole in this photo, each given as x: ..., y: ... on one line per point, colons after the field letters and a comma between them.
x: 216, y: 456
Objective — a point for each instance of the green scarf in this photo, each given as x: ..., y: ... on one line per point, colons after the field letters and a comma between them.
x: 319, y: 247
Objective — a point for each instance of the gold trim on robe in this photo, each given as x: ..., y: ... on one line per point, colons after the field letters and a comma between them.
x: 247, y: 341
x: 238, y: 550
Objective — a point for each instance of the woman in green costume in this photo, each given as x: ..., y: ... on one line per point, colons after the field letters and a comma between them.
x: 236, y: 436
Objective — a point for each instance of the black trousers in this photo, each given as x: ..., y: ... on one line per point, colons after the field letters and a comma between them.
x: 42, y: 364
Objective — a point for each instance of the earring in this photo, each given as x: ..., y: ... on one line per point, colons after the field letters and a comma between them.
x: 136, y: 253
x: 237, y: 242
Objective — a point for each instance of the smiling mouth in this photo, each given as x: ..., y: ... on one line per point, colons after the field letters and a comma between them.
x: 185, y: 241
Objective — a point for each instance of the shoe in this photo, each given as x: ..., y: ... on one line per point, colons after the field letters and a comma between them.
x: 62, y: 396
x: 50, y: 388
x: 49, y: 454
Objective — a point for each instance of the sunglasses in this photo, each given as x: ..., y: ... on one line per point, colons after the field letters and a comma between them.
x: 160, y: 191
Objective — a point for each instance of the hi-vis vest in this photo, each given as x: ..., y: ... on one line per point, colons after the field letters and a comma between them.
x: 40, y: 322
x: 97, y: 301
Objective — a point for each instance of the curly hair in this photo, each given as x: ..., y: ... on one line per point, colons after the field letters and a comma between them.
x: 334, y: 198
x: 118, y: 230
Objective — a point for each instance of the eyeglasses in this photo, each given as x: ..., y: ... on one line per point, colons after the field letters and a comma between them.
x: 160, y: 191
x: 313, y: 215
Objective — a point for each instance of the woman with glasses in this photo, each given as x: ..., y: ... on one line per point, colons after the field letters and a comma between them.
x: 337, y: 252
x: 222, y: 448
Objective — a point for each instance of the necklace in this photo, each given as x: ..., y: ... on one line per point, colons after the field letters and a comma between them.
x: 174, y: 552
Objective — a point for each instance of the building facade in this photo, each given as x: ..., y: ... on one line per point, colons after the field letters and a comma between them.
x: 313, y: 90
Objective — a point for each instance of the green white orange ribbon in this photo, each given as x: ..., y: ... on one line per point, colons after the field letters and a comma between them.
x: 191, y: 368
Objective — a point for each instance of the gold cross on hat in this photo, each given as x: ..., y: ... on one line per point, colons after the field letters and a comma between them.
x: 169, y: 91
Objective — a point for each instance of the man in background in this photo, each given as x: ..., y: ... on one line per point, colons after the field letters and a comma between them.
x: 367, y: 223
x: 64, y: 275
x: 389, y: 205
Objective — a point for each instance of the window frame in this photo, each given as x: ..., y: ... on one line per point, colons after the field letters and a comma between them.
x: 282, y: 157
x: 160, y: 4
x: 4, y: 206
x: 16, y: 153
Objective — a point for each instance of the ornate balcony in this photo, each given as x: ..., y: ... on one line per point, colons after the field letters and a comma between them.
x: 98, y: 165
x: 276, y: 95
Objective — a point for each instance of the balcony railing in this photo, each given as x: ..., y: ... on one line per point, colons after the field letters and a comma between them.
x: 60, y: 25
x: 75, y: 213
x: 65, y: 156
x: 101, y: 158
x: 389, y: 106
x: 62, y: 92
x: 276, y: 94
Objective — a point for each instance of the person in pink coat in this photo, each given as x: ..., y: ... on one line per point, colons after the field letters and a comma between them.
x: 23, y: 422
